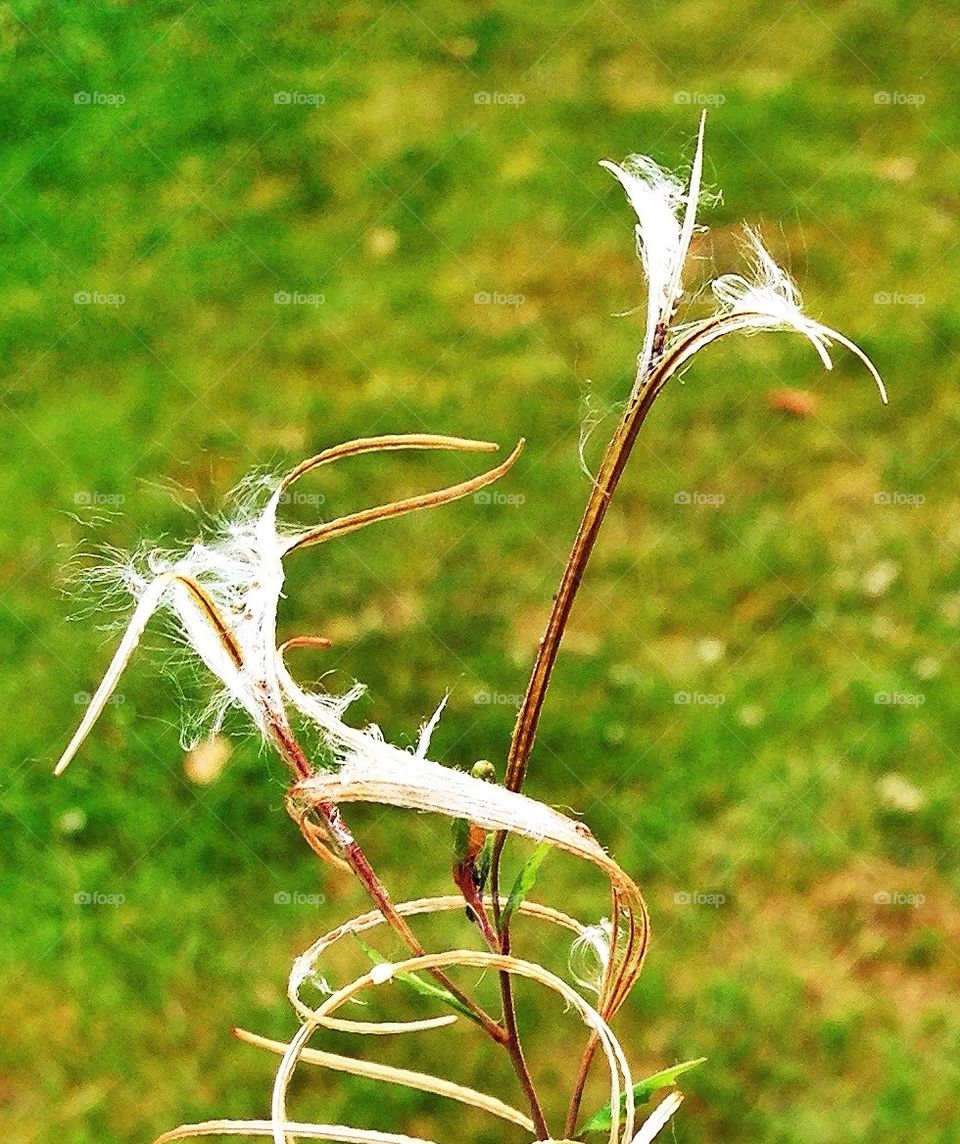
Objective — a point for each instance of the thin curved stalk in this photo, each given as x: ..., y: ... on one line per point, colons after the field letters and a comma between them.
x: 616, y: 1060
x: 340, y: 527
x: 423, y: 1082
x: 525, y: 729
x: 611, y: 469
x: 332, y: 1132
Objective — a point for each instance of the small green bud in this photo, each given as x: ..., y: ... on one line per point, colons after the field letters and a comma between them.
x: 484, y: 769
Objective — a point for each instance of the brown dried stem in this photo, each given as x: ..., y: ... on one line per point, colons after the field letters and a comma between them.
x: 528, y: 718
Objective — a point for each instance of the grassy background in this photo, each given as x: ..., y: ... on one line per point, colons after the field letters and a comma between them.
x: 826, y: 1014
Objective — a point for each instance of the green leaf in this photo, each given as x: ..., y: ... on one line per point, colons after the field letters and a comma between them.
x: 642, y: 1092
x: 460, y: 829
x: 524, y: 883
x: 416, y: 983
x: 484, y: 858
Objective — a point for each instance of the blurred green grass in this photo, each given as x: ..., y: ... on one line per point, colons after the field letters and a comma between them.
x: 825, y: 1014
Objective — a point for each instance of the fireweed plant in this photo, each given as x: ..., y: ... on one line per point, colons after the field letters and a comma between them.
x: 222, y: 596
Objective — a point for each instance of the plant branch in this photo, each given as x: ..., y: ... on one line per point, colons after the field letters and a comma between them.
x: 645, y: 392
x: 573, y: 1113
x: 605, y: 484
x: 355, y: 858
x: 614, y: 461
x: 514, y: 1047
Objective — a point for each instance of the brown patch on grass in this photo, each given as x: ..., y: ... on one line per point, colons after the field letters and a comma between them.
x: 392, y: 612
x: 870, y: 929
x: 898, y: 927
x: 795, y: 402
x: 528, y: 626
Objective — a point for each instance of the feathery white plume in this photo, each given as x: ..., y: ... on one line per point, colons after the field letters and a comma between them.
x: 663, y: 237
x: 590, y: 955
x: 224, y: 594
x: 769, y: 300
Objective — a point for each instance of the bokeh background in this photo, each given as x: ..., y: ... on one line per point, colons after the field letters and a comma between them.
x: 166, y: 171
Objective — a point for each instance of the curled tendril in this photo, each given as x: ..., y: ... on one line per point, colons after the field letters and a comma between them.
x: 317, y: 1018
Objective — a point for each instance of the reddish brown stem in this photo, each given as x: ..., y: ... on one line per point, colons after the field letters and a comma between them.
x: 358, y: 862
x: 463, y: 877
x: 611, y: 469
x: 605, y: 484
x: 573, y: 1113
x: 525, y: 729
x: 515, y: 1049
x: 507, y: 1036
x: 291, y: 750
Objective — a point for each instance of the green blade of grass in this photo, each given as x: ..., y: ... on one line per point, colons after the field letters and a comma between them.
x: 642, y: 1092
x: 524, y: 883
x: 418, y: 984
